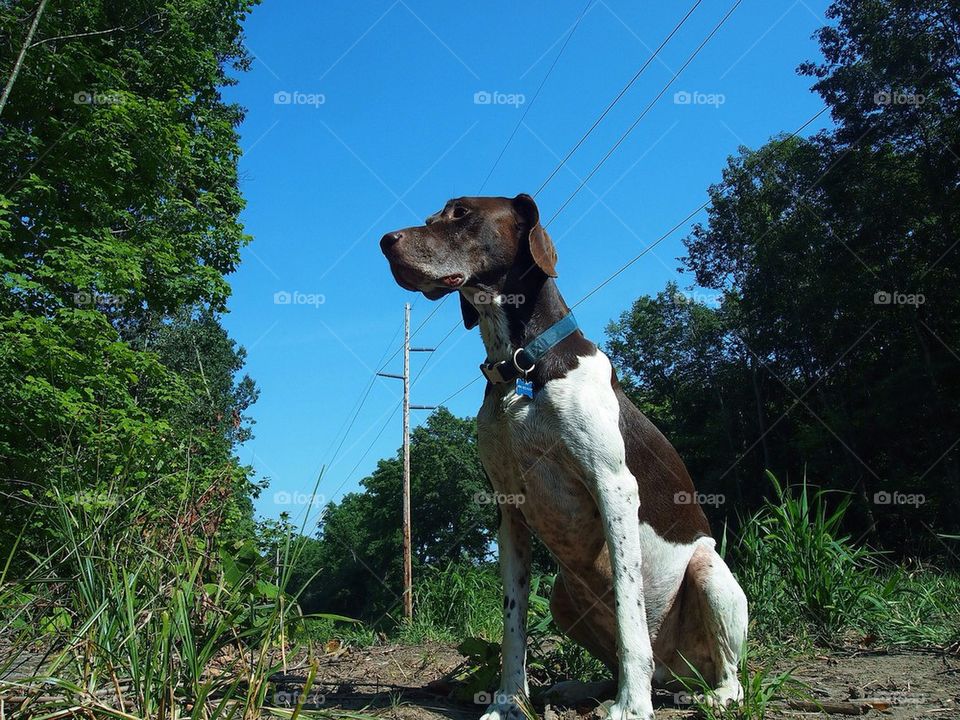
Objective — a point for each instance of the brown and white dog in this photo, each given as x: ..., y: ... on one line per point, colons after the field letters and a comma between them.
x: 640, y: 584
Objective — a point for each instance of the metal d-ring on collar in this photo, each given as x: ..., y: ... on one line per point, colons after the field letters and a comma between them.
x: 522, y: 371
x: 505, y: 371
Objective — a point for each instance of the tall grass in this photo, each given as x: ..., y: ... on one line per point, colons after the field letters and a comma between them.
x: 141, y: 626
x: 805, y: 579
x: 456, y: 601
x: 762, y: 689
x: 126, y: 622
x: 798, y: 569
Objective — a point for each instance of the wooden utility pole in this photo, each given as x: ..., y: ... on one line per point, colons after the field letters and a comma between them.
x: 407, y: 541
x: 407, y: 553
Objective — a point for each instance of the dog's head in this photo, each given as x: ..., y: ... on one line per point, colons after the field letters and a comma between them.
x: 472, y: 243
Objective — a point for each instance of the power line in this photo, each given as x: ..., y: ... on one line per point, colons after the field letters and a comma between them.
x: 453, y: 395
x: 383, y: 427
x: 681, y: 223
x: 535, y: 96
x: 435, y: 347
x: 369, y: 448
x: 381, y: 364
x: 646, y: 109
x: 414, y: 333
x: 619, y: 95
x: 359, y: 406
x: 602, y: 284
x: 557, y: 169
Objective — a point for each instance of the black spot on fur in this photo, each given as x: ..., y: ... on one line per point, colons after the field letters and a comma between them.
x: 513, y: 604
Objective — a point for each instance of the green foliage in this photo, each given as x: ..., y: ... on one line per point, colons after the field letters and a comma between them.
x: 191, y: 629
x: 118, y: 224
x: 918, y: 608
x: 551, y: 657
x: 761, y: 690
x: 455, y: 601
x: 360, y: 540
x: 834, y: 266
x: 792, y: 557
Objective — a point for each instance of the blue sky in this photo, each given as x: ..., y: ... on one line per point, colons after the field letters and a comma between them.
x: 366, y: 117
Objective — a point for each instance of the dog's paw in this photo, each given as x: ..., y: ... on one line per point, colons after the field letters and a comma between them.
x: 503, y: 710
x: 621, y: 710
x: 725, y: 695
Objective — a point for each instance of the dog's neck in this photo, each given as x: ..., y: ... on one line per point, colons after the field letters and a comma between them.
x: 515, y: 313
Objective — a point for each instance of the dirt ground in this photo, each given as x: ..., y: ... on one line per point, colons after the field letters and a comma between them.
x: 412, y: 683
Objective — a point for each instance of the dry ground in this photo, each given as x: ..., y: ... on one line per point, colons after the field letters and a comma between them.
x: 409, y: 682
x: 412, y: 682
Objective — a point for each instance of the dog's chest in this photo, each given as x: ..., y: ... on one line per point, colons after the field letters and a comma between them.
x: 523, y: 451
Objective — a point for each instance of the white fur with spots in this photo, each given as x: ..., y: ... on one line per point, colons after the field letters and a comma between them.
x: 564, y: 453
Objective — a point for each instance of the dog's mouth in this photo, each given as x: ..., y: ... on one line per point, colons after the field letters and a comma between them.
x: 432, y: 288
x: 453, y: 281
x: 443, y: 286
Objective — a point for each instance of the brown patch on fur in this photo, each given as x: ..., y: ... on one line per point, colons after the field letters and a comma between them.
x: 661, y: 476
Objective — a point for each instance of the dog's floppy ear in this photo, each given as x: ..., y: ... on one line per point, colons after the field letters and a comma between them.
x: 470, y: 315
x: 541, y: 246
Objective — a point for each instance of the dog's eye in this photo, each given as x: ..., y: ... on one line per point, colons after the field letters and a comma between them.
x: 459, y: 211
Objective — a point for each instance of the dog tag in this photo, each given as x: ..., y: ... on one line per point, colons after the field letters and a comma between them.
x: 525, y: 387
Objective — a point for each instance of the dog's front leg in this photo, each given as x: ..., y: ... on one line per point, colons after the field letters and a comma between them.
x: 514, y: 541
x: 619, y: 503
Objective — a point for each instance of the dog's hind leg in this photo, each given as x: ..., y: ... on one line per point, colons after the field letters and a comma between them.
x: 723, y: 616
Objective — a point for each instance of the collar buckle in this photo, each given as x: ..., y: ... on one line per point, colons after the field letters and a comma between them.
x: 505, y: 371
x: 493, y: 372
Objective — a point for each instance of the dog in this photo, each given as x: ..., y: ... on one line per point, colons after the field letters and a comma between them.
x: 640, y: 584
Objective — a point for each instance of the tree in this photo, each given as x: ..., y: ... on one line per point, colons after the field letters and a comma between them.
x: 454, y: 518
x: 118, y: 226
x: 683, y: 368
x: 835, y: 350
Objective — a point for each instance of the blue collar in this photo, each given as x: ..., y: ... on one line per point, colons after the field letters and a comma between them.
x: 525, y: 358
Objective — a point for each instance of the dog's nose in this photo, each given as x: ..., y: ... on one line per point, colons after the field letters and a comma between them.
x: 389, y: 240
